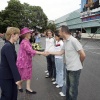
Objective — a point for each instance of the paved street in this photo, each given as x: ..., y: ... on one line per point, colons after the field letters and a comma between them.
x: 89, y: 87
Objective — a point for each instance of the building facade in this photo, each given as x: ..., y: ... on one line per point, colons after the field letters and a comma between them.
x: 74, y: 22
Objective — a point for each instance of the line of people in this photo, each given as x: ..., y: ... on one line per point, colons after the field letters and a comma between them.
x: 55, y: 64
x: 74, y: 57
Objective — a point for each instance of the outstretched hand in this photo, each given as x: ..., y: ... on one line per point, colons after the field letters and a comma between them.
x: 46, y: 53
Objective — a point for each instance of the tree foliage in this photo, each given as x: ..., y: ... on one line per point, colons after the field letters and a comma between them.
x: 22, y: 15
x: 51, y: 26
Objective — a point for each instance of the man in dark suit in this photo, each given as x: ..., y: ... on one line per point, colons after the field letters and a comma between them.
x: 9, y: 75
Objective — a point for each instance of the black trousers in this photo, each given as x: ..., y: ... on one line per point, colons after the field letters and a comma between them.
x: 51, y: 66
x: 8, y: 89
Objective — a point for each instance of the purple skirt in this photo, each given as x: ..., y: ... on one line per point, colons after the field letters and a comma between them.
x: 25, y: 73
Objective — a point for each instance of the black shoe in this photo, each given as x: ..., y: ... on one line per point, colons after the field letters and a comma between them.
x: 20, y: 90
x: 46, y: 76
x: 29, y: 92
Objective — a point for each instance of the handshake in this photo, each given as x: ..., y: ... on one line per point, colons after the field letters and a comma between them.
x: 45, y: 53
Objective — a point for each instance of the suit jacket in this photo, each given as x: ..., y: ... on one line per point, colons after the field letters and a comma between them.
x: 8, y: 68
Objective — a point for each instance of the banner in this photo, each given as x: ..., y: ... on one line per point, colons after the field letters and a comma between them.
x: 90, y: 9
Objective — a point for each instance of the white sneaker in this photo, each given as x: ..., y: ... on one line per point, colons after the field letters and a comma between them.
x: 53, y: 79
x: 57, y: 86
x: 54, y: 82
x: 61, y: 94
x: 46, y: 71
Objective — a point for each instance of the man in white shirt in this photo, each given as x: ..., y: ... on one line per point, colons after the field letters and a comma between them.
x: 74, y: 56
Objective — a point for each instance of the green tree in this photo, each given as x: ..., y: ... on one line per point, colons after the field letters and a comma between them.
x: 22, y: 15
x: 51, y: 26
x: 34, y: 16
x: 11, y: 15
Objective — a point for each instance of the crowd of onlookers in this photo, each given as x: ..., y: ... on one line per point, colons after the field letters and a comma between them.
x: 77, y: 34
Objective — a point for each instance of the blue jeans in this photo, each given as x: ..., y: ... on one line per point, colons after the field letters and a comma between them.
x: 72, y: 84
x: 64, y: 80
x: 59, y: 71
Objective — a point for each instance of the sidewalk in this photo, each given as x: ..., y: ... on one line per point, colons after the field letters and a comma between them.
x: 90, y: 36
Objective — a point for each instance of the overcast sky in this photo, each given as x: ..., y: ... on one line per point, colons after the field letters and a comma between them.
x: 52, y: 8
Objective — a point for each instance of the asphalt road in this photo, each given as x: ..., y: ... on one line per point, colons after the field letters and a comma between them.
x: 89, y: 87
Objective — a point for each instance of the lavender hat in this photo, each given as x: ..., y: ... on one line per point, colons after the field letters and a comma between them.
x: 25, y: 30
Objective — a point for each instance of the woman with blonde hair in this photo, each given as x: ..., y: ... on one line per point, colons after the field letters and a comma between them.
x: 9, y: 75
x: 24, y: 59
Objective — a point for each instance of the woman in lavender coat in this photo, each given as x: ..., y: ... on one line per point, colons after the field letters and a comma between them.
x: 24, y: 60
